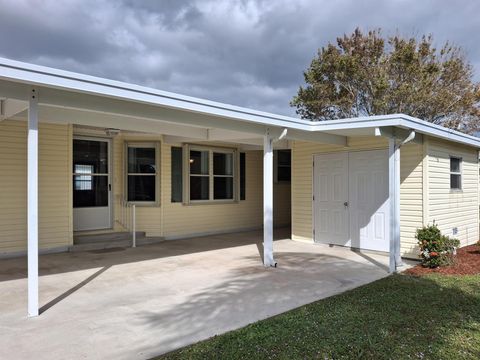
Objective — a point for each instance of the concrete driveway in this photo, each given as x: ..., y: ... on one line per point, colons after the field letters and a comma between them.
x: 138, y: 303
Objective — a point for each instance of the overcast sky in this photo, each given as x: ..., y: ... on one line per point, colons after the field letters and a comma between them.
x: 247, y: 53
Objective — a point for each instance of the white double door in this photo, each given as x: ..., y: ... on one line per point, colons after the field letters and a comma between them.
x: 351, y: 202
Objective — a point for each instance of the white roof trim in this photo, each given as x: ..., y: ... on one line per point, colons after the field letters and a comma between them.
x: 21, y: 72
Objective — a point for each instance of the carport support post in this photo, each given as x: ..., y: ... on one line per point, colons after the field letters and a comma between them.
x: 32, y: 198
x: 394, y: 195
x: 268, y: 199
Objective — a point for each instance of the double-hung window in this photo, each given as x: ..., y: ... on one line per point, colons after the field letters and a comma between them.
x: 283, y: 165
x: 142, y: 172
x: 211, y: 174
x: 455, y: 173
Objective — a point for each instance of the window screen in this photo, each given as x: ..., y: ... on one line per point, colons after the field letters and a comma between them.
x: 242, y: 176
x: 283, y: 165
x: 141, y: 173
x: 199, y: 175
x: 177, y: 178
x: 455, y: 173
x: 222, y: 176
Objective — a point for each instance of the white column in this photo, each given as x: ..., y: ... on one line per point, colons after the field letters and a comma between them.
x: 398, y: 258
x: 32, y: 209
x: 391, y: 195
x: 394, y: 195
x: 268, y: 200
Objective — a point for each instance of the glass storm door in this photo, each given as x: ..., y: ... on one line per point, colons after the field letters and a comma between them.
x: 91, y: 184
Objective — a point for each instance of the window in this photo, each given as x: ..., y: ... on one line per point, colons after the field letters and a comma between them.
x: 177, y: 171
x: 83, y: 182
x: 455, y: 173
x: 222, y: 176
x: 283, y: 165
x: 211, y: 174
x: 90, y: 167
x: 242, y: 176
x: 199, y: 175
x: 141, y: 172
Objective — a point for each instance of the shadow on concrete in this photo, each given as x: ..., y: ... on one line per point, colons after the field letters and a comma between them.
x: 328, y: 324
x: 16, y: 268
x: 72, y: 290
x: 370, y: 259
x: 250, y: 294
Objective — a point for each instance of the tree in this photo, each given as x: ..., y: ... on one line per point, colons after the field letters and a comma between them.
x: 365, y: 74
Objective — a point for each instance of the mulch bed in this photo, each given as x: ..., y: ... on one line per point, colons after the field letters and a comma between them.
x: 467, y: 262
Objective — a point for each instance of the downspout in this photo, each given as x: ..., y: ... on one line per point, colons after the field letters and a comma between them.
x: 408, y: 139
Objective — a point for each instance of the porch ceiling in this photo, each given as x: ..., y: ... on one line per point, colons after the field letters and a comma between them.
x: 58, y: 106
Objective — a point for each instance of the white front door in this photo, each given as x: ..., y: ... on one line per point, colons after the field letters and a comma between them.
x: 351, y: 205
x: 330, y: 198
x: 368, y: 200
x: 91, y: 184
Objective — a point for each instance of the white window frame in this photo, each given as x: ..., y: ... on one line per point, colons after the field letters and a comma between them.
x: 459, y: 173
x: 142, y: 144
x: 211, y: 176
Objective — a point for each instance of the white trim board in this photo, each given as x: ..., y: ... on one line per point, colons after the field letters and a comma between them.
x: 63, y: 89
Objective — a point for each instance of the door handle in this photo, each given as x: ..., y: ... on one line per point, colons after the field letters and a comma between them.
x: 345, y: 204
x: 109, y: 187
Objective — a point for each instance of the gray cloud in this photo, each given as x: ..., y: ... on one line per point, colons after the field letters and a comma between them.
x: 248, y: 53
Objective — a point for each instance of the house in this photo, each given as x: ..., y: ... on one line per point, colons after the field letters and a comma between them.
x: 85, y: 155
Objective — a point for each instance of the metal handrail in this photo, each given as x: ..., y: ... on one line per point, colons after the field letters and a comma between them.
x: 128, y: 219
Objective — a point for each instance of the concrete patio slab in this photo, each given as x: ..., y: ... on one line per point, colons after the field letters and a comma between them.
x: 138, y: 303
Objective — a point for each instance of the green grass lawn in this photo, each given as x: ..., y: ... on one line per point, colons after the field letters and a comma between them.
x: 399, y: 317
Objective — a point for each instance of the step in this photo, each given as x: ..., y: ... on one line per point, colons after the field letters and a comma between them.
x: 106, y: 237
x: 126, y: 243
x: 100, y: 245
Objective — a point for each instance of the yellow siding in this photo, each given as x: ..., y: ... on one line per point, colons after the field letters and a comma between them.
x: 54, y: 186
x: 164, y: 219
x: 173, y: 220
x: 182, y: 220
x: 302, y: 189
x: 149, y: 216
x: 448, y: 208
x: 282, y: 214
x: 411, y: 197
x: 410, y: 193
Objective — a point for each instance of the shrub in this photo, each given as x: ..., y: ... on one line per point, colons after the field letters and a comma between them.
x: 435, y: 249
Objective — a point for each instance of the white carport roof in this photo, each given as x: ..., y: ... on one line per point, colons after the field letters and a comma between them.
x: 69, y: 97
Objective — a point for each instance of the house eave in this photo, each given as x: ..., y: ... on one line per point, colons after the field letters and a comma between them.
x: 64, y: 89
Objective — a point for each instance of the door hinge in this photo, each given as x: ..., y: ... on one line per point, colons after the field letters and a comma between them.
x: 313, y: 197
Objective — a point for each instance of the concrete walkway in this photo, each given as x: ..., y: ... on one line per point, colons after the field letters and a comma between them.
x: 138, y: 303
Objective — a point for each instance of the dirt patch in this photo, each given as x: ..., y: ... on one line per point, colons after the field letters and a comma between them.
x: 467, y: 262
